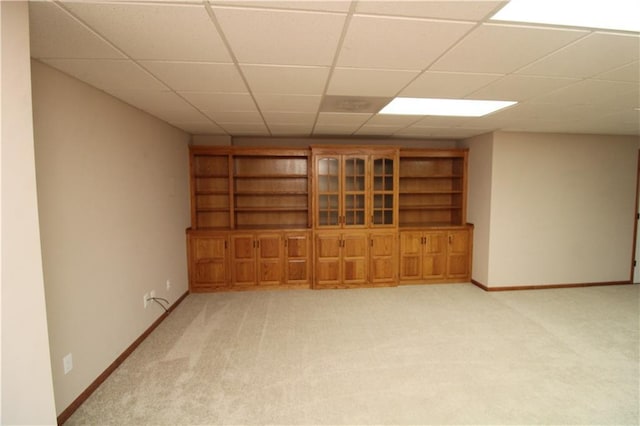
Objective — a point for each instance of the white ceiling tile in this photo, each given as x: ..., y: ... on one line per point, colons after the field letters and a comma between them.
x: 197, y: 77
x: 311, y: 5
x: 281, y: 37
x: 439, y: 9
x: 182, y: 115
x: 288, y: 80
x: 342, y: 119
x: 494, y: 48
x: 433, y: 84
x: 56, y: 34
x: 436, y: 132
x: 589, y: 56
x: 288, y: 103
x: 397, y: 43
x: 290, y: 129
x: 368, y: 82
x: 235, y: 117
x: 373, y: 130
x: 245, y: 128
x: 108, y: 74
x: 596, y: 92
x: 520, y: 87
x: 630, y: 73
x: 218, y: 102
x: 200, y: 128
x: 334, y: 129
x: 300, y: 118
x: 156, y: 31
x: 153, y: 100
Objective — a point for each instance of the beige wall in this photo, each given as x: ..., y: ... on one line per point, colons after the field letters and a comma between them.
x: 27, y: 391
x: 114, y: 205
x: 562, y: 208
x: 479, y: 201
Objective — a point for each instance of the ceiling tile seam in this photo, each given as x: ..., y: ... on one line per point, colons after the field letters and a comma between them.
x: 548, y: 55
x: 59, y: 4
x: 62, y: 7
x: 223, y: 5
x: 214, y: 20
x: 596, y: 76
x: 452, y: 46
x: 415, y: 18
x: 336, y: 56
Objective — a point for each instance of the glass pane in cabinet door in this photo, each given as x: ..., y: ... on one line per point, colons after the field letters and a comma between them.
x: 378, y: 202
x: 378, y: 183
x: 388, y: 167
x: 388, y: 217
x: 333, y: 184
x: 377, y: 217
x: 388, y: 183
x: 323, y: 202
x: 333, y: 218
x: 323, y: 183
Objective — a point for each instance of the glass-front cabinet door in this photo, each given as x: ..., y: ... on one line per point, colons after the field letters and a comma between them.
x: 383, y: 204
x: 328, y: 191
x: 354, y: 191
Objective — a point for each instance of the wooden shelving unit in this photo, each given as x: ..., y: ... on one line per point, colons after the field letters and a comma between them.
x: 210, y: 190
x: 432, y: 188
x: 271, y: 190
x: 329, y: 216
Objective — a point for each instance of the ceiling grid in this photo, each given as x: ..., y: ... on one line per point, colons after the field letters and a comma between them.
x: 325, y: 67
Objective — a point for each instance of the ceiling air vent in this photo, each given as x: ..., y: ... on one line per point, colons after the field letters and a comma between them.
x: 353, y: 104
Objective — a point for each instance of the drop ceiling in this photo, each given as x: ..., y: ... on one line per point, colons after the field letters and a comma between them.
x: 274, y: 68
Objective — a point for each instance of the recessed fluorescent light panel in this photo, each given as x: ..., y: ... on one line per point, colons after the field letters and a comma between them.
x: 443, y: 107
x: 621, y: 15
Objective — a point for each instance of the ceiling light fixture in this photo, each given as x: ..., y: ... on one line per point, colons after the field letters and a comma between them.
x: 604, y: 14
x: 443, y: 107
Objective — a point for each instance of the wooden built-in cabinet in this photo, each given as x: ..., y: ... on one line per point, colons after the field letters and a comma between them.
x: 439, y: 255
x: 208, y: 261
x: 327, y: 217
x: 433, y: 188
x: 355, y: 192
x: 270, y: 258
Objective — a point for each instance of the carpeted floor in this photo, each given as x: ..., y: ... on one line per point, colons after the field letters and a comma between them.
x: 439, y: 354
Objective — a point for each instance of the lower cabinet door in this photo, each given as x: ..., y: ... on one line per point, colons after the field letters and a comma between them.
x: 458, y: 259
x: 297, y: 256
x: 411, y: 243
x: 434, y: 255
x: 328, y: 264
x: 382, y: 257
x: 270, y: 258
x: 208, y: 258
x: 355, y: 258
x: 243, y: 259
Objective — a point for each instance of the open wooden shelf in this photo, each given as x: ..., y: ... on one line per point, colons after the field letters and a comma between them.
x: 432, y: 187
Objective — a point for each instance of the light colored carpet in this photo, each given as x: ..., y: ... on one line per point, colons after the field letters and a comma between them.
x: 439, y: 354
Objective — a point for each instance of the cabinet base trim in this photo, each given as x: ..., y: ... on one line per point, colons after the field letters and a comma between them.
x: 220, y: 289
x: 547, y: 286
x: 64, y: 416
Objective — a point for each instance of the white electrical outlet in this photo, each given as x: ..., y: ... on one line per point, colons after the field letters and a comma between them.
x: 152, y: 294
x: 168, y: 285
x: 146, y: 300
x: 67, y: 363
